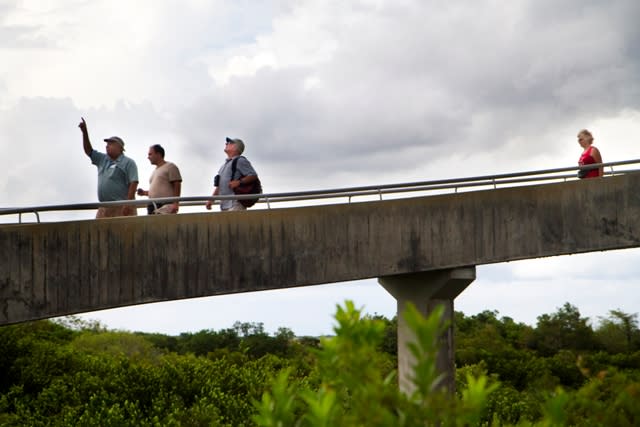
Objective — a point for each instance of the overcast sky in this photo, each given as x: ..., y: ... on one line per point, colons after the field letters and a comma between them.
x: 325, y: 94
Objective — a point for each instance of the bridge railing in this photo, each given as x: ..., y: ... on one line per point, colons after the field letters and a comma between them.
x: 452, y: 184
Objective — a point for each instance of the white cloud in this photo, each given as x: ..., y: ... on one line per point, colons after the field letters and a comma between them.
x: 324, y: 93
x: 524, y: 290
x: 100, y: 52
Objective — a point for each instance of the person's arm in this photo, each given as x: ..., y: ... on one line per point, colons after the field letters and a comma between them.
x: 216, y: 191
x: 142, y: 192
x: 242, y: 181
x: 131, y: 192
x: 598, y: 159
x: 86, y: 144
x: 177, y: 187
x: 247, y: 173
x: 131, y: 195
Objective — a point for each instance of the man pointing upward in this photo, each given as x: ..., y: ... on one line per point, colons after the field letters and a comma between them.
x: 117, y: 174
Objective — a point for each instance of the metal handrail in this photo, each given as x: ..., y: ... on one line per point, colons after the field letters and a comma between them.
x: 349, y: 192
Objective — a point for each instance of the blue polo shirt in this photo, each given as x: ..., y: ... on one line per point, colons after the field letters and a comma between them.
x: 114, y: 176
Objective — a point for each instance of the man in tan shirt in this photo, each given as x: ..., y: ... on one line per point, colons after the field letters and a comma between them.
x: 165, y: 181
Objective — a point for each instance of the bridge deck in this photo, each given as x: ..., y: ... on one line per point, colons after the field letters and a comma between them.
x: 63, y: 268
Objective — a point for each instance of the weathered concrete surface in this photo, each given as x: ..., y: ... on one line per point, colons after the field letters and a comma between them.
x: 427, y: 290
x: 63, y: 268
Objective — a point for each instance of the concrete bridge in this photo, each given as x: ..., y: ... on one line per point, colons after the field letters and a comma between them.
x: 421, y: 249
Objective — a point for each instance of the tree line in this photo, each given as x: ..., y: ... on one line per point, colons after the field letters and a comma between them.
x: 562, y: 371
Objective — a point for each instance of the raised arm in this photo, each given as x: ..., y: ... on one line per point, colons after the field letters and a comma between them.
x: 86, y: 144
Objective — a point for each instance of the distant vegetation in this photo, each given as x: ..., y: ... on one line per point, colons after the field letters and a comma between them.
x: 563, y: 371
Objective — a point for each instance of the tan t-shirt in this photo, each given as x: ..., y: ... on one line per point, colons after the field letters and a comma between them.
x: 160, y: 183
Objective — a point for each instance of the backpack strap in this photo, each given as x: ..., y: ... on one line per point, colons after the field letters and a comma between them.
x: 234, y: 164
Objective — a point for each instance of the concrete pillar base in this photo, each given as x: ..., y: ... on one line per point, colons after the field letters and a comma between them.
x: 426, y: 291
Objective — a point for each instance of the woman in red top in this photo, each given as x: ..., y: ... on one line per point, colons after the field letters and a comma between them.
x: 590, y: 155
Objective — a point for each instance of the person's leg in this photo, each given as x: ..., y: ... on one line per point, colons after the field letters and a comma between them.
x: 237, y: 206
x: 110, y: 211
x: 131, y: 211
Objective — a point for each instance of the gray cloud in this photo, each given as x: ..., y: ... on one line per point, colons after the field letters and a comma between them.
x: 418, y: 82
x: 409, y: 92
x: 350, y: 93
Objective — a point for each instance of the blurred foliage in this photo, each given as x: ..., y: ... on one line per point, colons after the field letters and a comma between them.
x: 562, y: 371
x: 358, y: 387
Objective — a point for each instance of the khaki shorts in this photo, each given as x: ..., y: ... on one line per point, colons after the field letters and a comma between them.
x: 113, y: 211
x: 237, y: 206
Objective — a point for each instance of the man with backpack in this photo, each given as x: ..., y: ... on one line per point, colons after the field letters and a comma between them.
x: 236, y: 176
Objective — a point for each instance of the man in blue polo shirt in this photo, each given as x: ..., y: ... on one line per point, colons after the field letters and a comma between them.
x: 117, y: 174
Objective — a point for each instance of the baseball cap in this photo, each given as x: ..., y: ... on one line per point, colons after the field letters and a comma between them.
x: 117, y: 140
x: 238, y: 143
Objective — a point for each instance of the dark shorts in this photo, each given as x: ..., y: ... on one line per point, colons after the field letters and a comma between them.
x: 151, y: 207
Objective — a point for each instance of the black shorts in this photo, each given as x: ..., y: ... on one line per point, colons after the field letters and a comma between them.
x: 151, y: 207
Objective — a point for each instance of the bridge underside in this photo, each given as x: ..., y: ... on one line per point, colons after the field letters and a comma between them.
x: 63, y: 268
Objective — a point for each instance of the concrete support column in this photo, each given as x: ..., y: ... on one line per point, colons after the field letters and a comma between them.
x: 426, y: 291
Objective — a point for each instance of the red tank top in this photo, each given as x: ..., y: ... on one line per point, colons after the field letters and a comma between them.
x: 587, y: 159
